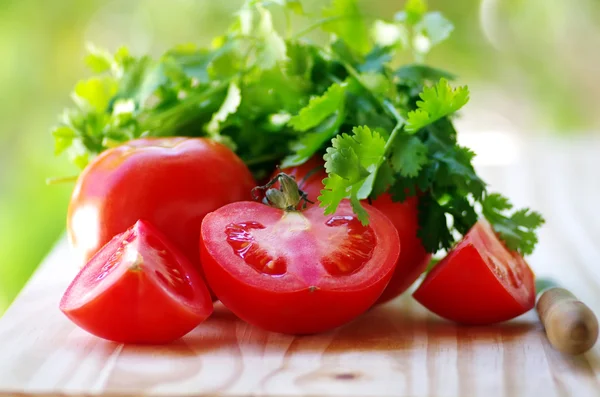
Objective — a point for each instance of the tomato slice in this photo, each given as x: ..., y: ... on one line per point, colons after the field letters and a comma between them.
x: 479, y: 282
x: 138, y: 288
x: 297, y: 272
x: 413, y: 259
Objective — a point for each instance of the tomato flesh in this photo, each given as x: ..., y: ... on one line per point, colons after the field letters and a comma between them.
x: 413, y: 259
x: 297, y: 272
x: 138, y: 288
x: 170, y: 182
x: 479, y: 282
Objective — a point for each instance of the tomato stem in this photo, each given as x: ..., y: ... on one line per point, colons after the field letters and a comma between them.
x: 287, y: 197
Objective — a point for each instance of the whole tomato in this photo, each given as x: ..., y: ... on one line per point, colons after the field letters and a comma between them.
x: 170, y: 182
x: 413, y: 257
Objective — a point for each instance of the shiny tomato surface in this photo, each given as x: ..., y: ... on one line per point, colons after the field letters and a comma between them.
x: 413, y: 258
x: 479, y: 282
x: 139, y: 288
x: 297, y: 272
x: 170, y: 182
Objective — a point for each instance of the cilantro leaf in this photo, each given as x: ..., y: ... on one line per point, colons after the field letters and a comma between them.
x: 319, y: 108
x: 98, y: 60
x: 408, y: 156
x: 351, y: 164
x: 413, y: 12
x: 348, y: 24
x: 230, y: 105
x: 435, y: 27
x: 273, y: 48
x: 418, y: 73
x: 384, y: 180
x: 307, y: 145
x: 95, y: 93
x: 517, y: 230
x: 434, y: 232
x: 436, y: 102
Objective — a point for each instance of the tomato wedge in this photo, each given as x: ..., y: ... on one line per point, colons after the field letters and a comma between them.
x: 479, y: 282
x: 138, y: 288
x: 297, y: 272
x: 413, y: 258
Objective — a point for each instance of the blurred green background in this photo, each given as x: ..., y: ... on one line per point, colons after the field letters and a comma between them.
x: 532, y: 66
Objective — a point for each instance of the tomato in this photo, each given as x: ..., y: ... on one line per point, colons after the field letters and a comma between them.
x: 138, y: 288
x: 479, y: 282
x: 297, y: 272
x: 170, y: 182
x: 413, y: 258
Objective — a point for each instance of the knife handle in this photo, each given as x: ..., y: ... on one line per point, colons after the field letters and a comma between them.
x: 570, y: 325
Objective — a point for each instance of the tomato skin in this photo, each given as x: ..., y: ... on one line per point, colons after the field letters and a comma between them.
x: 170, y: 182
x: 305, y: 299
x: 119, y: 295
x: 413, y: 258
x: 464, y: 287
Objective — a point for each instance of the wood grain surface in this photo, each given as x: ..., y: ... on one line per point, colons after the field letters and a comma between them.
x: 394, y: 350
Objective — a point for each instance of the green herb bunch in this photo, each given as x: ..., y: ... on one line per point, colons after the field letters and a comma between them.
x: 280, y: 99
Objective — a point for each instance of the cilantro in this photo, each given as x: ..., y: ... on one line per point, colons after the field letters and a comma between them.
x: 278, y: 99
x: 230, y: 105
x: 319, y: 108
x: 351, y: 164
x: 348, y: 24
x: 409, y: 156
x: 436, y: 102
x: 517, y: 230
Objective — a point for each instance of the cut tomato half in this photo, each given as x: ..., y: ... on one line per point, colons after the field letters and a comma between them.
x: 297, y: 272
x: 139, y: 288
x: 479, y: 282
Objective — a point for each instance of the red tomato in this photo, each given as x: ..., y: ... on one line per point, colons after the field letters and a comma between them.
x: 413, y: 258
x: 138, y: 288
x: 170, y: 182
x: 479, y: 282
x: 297, y: 272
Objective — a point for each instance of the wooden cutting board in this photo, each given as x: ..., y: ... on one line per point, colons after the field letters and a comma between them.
x: 394, y: 350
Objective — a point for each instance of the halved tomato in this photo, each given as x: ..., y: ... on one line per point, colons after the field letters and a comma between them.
x: 479, y: 282
x: 413, y: 259
x: 138, y: 288
x: 297, y: 272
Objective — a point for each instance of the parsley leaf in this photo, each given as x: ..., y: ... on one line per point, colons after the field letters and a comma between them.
x: 436, y: 102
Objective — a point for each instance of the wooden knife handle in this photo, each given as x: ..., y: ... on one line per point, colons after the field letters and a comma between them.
x: 570, y: 325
